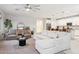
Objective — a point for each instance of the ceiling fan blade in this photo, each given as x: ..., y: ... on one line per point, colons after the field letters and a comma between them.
x: 33, y: 10
x: 37, y: 8
x: 17, y: 9
x: 36, y: 5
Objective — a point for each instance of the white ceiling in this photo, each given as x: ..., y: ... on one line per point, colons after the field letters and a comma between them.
x: 46, y: 10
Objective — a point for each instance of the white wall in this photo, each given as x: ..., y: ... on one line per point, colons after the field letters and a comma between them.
x: 27, y: 20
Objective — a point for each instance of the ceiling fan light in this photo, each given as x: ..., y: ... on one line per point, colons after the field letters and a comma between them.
x: 27, y: 9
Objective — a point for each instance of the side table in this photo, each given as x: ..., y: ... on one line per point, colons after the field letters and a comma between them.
x: 22, y: 41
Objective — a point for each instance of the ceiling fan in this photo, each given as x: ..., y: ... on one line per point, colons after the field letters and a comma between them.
x: 30, y: 7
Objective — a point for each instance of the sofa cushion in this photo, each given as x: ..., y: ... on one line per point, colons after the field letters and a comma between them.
x: 12, y: 32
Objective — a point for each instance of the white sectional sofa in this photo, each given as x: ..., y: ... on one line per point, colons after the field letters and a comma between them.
x: 49, y: 42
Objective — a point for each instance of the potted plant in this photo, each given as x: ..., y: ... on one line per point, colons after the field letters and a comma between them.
x: 8, y: 24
